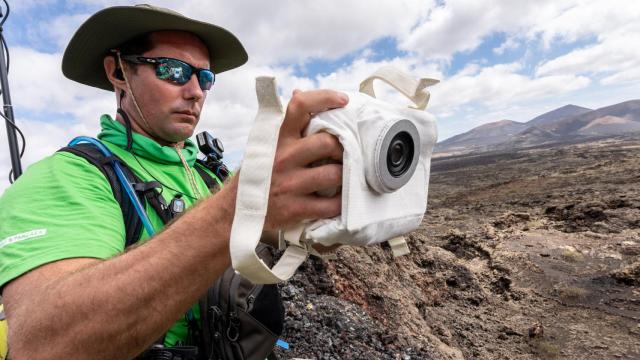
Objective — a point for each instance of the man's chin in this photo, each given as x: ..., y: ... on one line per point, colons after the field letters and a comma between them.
x: 176, y: 136
x: 183, y: 134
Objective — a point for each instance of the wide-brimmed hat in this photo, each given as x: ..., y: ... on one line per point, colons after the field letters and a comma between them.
x: 108, y: 28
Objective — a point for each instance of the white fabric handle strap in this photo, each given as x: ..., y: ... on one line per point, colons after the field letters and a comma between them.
x: 253, y: 194
x: 408, y: 86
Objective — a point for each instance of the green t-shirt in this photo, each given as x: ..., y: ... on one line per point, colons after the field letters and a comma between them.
x: 63, y: 207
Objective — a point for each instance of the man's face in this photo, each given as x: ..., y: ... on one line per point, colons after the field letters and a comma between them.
x: 172, y: 111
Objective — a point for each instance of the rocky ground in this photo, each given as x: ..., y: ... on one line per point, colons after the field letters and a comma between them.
x: 522, y: 255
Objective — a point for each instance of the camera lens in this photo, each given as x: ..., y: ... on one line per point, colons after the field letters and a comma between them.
x: 393, y: 157
x: 400, y: 154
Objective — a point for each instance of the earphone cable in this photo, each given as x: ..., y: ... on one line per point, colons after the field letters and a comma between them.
x: 160, y: 182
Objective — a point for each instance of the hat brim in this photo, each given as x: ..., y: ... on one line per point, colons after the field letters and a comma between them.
x: 106, y: 29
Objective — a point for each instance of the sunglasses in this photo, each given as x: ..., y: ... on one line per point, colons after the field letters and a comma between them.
x: 175, y: 70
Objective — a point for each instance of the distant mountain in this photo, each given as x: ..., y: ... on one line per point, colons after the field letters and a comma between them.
x: 529, y: 137
x: 566, y: 123
x: 483, y: 135
x: 610, y: 125
x: 557, y: 114
x: 571, y: 125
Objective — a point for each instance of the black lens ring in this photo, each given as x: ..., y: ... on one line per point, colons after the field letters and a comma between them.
x: 391, y: 178
x: 400, y: 154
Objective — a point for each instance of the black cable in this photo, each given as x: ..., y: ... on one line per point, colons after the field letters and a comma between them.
x: 5, y: 15
x: 4, y: 42
x: 13, y: 125
x: 127, y: 122
x: 160, y: 182
x: 5, y: 48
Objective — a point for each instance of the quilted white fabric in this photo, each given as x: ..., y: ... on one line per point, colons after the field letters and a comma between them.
x: 369, y: 217
x: 370, y: 213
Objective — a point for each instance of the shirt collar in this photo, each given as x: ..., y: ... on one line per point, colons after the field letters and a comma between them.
x: 115, y: 133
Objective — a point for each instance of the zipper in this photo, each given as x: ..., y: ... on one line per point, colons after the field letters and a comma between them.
x: 216, y: 290
x: 216, y: 343
x: 216, y: 316
x: 233, y: 330
x: 251, y: 298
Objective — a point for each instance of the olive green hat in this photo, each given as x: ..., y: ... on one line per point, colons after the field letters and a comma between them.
x: 108, y: 28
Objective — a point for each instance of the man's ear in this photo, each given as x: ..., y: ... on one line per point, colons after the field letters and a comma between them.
x: 114, y: 73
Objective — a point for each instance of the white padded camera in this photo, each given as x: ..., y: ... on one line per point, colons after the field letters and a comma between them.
x: 386, y: 162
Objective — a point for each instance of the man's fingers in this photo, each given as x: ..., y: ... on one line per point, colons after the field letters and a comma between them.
x: 294, y: 209
x: 294, y: 184
x: 319, y: 178
x: 322, y: 207
x: 315, y: 147
x: 305, y: 181
x: 304, y: 103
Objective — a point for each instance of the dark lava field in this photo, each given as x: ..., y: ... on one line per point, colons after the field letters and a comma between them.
x: 527, y: 254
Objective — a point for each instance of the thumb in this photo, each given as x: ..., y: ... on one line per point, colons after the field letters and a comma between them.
x: 305, y: 103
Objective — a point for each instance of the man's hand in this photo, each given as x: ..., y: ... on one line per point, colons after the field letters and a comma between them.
x: 294, y: 182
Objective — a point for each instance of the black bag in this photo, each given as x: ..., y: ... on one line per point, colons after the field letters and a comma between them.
x: 240, y: 320
x: 244, y: 320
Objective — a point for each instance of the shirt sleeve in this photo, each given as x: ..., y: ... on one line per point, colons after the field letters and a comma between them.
x: 61, y: 207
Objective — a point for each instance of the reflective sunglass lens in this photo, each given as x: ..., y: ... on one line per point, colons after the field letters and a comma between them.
x: 181, y: 72
x: 173, y: 70
x: 206, y: 79
x: 163, y: 71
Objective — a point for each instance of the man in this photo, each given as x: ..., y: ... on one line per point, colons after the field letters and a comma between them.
x: 69, y: 290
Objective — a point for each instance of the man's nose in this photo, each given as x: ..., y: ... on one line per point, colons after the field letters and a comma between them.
x: 192, y: 90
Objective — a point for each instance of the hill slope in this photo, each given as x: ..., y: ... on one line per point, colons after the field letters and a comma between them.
x: 565, y: 124
x: 484, y: 135
x: 557, y: 114
x: 571, y: 125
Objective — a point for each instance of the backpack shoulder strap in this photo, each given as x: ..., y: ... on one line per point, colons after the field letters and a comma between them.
x: 132, y: 223
x: 213, y: 182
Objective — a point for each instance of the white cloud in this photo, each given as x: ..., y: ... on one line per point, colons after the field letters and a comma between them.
x: 294, y: 31
x: 37, y: 84
x: 631, y: 75
x: 508, y: 44
x: 502, y: 84
x: 60, y: 29
x: 614, y: 53
x: 42, y: 139
x: 300, y: 30
x: 27, y: 5
x: 45, y: 92
x: 584, y: 18
x: 461, y: 25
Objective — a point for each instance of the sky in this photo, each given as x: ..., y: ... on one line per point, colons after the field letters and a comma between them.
x: 501, y: 59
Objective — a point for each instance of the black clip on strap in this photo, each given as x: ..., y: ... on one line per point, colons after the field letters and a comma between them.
x: 143, y: 187
x: 154, y: 197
